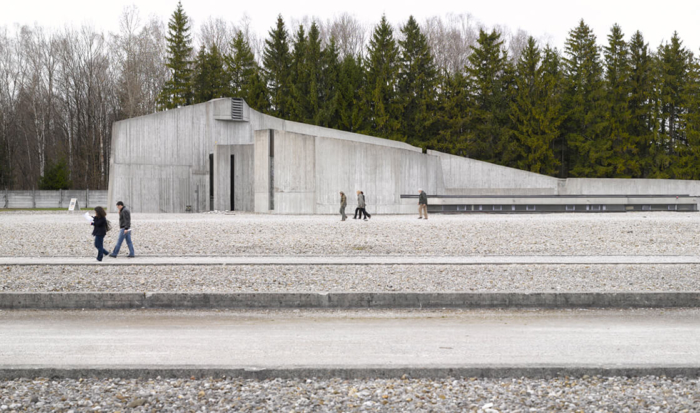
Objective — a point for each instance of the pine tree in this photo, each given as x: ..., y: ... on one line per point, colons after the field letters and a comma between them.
x: 453, y: 111
x: 299, y: 79
x: 210, y: 80
x: 642, y: 122
x: 617, y: 75
x: 351, y: 95
x: 177, y: 90
x: 589, y: 148
x: 688, y: 164
x: 276, y: 63
x: 241, y: 68
x: 675, y: 80
x: 487, y: 78
x: 329, y: 94
x: 416, y: 86
x: 200, y: 78
x: 535, y: 112
x: 314, y: 68
x: 381, y: 106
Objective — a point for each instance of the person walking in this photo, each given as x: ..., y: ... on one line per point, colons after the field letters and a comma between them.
x: 364, y: 207
x: 343, y: 204
x: 100, y: 228
x: 422, y: 204
x: 360, y: 205
x: 124, y: 231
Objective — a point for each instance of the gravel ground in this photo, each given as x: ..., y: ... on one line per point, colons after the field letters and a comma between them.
x: 594, y: 394
x: 658, y: 233
x: 405, y: 278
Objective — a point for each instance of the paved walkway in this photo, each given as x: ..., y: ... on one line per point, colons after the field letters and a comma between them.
x: 355, y: 339
x: 361, y: 260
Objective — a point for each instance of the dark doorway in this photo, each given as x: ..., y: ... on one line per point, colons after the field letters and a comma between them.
x: 233, y: 184
x: 211, y: 181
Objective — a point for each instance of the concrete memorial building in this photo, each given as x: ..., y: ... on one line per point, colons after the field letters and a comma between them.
x: 222, y: 155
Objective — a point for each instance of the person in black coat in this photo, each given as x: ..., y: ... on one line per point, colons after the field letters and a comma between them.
x: 100, y: 228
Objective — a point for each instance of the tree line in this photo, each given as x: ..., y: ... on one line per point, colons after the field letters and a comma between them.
x: 620, y: 109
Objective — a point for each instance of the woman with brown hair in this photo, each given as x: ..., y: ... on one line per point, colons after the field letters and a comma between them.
x: 101, y: 226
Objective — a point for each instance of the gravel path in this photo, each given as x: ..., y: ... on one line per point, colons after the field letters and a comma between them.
x: 376, y: 278
x: 658, y: 233
x: 595, y: 394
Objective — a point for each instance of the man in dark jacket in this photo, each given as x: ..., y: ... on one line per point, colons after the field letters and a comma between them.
x: 422, y: 204
x: 124, y: 231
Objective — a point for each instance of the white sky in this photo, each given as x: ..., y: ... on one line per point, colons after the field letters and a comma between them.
x: 544, y: 19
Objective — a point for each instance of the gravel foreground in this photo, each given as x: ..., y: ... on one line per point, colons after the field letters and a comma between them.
x: 657, y: 233
x: 373, y: 278
x: 566, y: 394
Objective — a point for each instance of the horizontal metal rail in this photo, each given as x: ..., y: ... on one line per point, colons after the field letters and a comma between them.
x: 552, y: 196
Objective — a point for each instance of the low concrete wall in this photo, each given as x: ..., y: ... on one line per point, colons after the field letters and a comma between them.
x: 14, y: 301
x: 345, y: 373
x: 52, y: 199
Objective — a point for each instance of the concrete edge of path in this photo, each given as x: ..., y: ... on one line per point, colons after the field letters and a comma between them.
x: 383, y: 300
x: 328, y: 372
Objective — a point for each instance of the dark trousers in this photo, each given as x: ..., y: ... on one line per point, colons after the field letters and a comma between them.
x: 99, y: 244
x: 362, y: 211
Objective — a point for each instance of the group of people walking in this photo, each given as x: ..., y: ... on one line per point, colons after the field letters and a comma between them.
x: 359, y: 211
x: 101, y: 226
x: 362, y: 205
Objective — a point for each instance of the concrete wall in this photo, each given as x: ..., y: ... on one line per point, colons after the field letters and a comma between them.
x: 243, y: 177
x: 600, y: 186
x: 52, y: 199
x: 159, y: 162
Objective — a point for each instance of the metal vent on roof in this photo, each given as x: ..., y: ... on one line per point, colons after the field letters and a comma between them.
x: 237, y: 109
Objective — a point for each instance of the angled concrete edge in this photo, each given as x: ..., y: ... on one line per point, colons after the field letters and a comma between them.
x: 325, y: 372
x: 157, y: 300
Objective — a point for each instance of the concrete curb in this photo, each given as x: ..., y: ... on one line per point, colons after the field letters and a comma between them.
x: 368, y: 372
x: 357, y: 260
x: 157, y: 300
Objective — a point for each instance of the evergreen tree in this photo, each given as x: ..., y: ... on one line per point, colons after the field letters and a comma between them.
x: 177, y: 90
x: 329, y: 95
x: 675, y: 65
x: 452, y: 114
x: 535, y: 112
x: 276, y: 63
x: 210, y: 80
x: 56, y: 176
x: 625, y: 147
x: 381, y: 106
x: 642, y: 121
x: 314, y: 68
x: 688, y: 164
x: 488, y: 74
x: 589, y: 148
x: 299, y: 79
x: 200, y: 78
x: 351, y: 95
x: 416, y: 85
x: 241, y: 68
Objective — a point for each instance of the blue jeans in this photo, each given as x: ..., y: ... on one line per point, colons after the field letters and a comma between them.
x: 123, y: 235
x: 99, y: 244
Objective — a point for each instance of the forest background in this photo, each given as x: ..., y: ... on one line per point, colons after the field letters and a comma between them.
x: 608, y: 107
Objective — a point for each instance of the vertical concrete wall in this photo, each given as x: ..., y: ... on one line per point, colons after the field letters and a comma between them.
x: 262, y: 167
x: 243, y: 177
